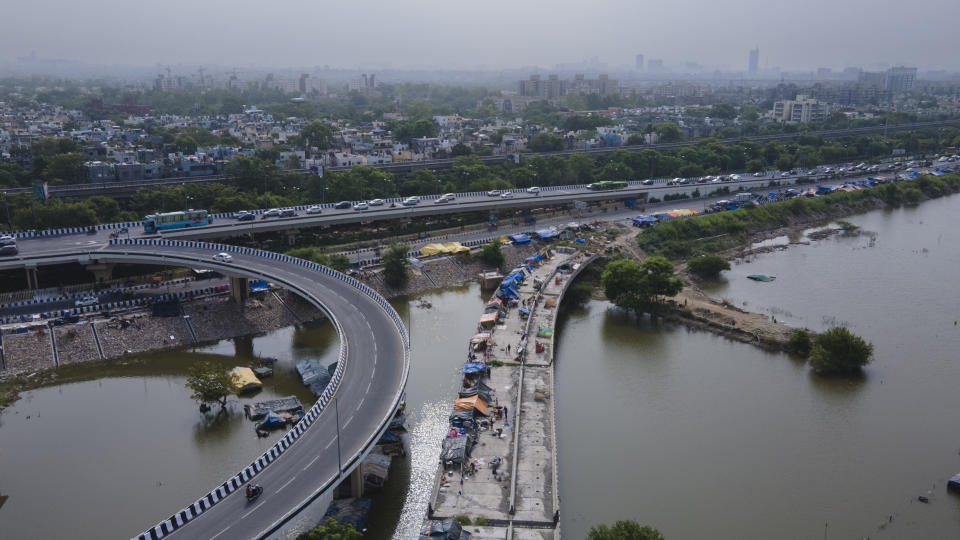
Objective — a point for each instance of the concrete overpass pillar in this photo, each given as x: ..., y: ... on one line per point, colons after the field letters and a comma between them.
x: 33, y: 278
x: 239, y: 289
x: 291, y: 237
x: 356, y: 481
x: 101, y: 271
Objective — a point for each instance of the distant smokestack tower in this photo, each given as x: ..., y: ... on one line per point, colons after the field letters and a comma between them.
x: 754, y: 61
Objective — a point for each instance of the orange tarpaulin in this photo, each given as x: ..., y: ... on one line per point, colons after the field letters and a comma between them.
x: 472, y: 402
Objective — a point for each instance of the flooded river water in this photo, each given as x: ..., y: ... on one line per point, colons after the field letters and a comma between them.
x: 692, y: 433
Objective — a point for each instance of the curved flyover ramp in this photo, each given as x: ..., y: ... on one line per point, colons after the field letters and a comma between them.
x: 336, y: 432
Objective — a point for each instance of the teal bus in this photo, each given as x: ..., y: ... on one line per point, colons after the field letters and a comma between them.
x: 176, y: 220
x: 607, y: 185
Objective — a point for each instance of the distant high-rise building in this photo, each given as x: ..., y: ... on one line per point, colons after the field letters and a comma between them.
x: 754, y: 61
x: 876, y: 79
x: 655, y: 66
x: 639, y: 62
x: 900, y: 79
x: 803, y: 109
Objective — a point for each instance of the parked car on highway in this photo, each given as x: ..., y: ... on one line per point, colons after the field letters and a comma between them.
x: 360, y: 206
x: 223, y: 257
x: 342, y: 205
x: 7, y: 240
x: 494, y: 193
x: 411, y: 201
x: 273, y: 212
x: 288, y: 212
x: 87, y: 301
x: 533, y: 189
x: 9, y: 249
x: 315, y: 209
x: 376, y: 202
x: 506, y: 195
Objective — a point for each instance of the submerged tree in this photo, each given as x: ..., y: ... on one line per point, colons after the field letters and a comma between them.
x: 625, y: 529
x: 636, y: 286
x: 210, y: 383
x: 395, y: 264
x: 839, y: 351
x: 708, y: 266
x: 492, y: 254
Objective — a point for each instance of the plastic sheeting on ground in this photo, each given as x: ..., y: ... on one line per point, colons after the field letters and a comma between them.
x: 472, y: 367
x: 519, y: 239
x: 447, y: 529
x: 446, y: 247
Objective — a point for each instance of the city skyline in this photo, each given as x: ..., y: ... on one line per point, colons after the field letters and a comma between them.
x: 426, y: 34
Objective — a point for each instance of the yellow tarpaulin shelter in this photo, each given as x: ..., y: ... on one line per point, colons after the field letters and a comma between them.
x: 245, y: 379
x: 472, y: 402
x: 448, y: 247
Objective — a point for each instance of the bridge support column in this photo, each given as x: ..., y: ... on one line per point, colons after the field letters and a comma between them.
x: 101, y: 271
x: 33, y: 278
x: 239, y: 289
x: 291, y: 237
x: 356, y: 481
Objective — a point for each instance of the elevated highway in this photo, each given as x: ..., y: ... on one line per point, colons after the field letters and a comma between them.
x: 344, y: 424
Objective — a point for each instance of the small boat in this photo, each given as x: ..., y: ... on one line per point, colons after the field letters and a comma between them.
x: 761, y: 277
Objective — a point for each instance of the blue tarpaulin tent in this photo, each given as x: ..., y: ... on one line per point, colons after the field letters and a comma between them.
x: 644, y: 220
x: 472, y: 367
x: 519, y: 238
x: 545, y: 233
x: 259, y: 286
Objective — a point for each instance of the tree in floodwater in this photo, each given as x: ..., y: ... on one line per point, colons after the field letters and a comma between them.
x: 625, y: 529
x: 636, y: 286
x: 210, y: 383
x: 492, y: 254
x: 708, y: 266
x: 395, y: 264
x: 839, y: 351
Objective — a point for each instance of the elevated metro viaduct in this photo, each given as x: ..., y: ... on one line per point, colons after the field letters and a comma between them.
x: 329, y: 444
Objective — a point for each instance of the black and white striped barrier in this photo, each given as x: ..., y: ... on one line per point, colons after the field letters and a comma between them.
x: 182, y: 517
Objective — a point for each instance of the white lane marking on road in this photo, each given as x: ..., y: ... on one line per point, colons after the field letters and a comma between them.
x: 329, y: 444
x: 294, y: 477
x: 251, y: 511
x: 314, y: 460
x: 345, y: 424
x: 368, y: 386
x: 219, y: 533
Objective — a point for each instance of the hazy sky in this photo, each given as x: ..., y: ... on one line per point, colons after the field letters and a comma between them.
x: 509, y: 33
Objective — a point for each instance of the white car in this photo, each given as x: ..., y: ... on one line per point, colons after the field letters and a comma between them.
x: 784, y: 174
x: 647, y: 182
x: 223, y: 257
x: 506, y: 195
x: 411, y: 201
x: 494, y: 193
x: 441, y: 200
x: 315, y: 209
x: 87, y: 301
x: 758, y: 174
x: 7, y: 240
x: 361, y: 206
x: 449, y: 196
x: 273, y: 212
x: 376, y: 202
x: 533, y: 189
x: 734, y: 177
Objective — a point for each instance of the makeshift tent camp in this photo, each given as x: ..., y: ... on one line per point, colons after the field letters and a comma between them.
x: 524, y: 312
x: 546, y: 234
x: 448, y: 529
x: 644, y: 221
x: 487, y: 320
x: 480, y: 389
x: 455, y: 449
x: 472, y: 402
x: 245, y: 379
x: 447, y: 247
x: 473, y: 367
x: 519, y: 238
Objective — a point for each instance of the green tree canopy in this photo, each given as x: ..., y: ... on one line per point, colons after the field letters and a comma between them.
x: 636, y: 287
x: 624, y: 530
x: 708, y: 266
x: 331, y: 530
x: 395, y: 264
x: 839, y: 351
x: 317, y: 133
x: 210, y: 383
x: 545, y: 142
x: 492, y: 254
